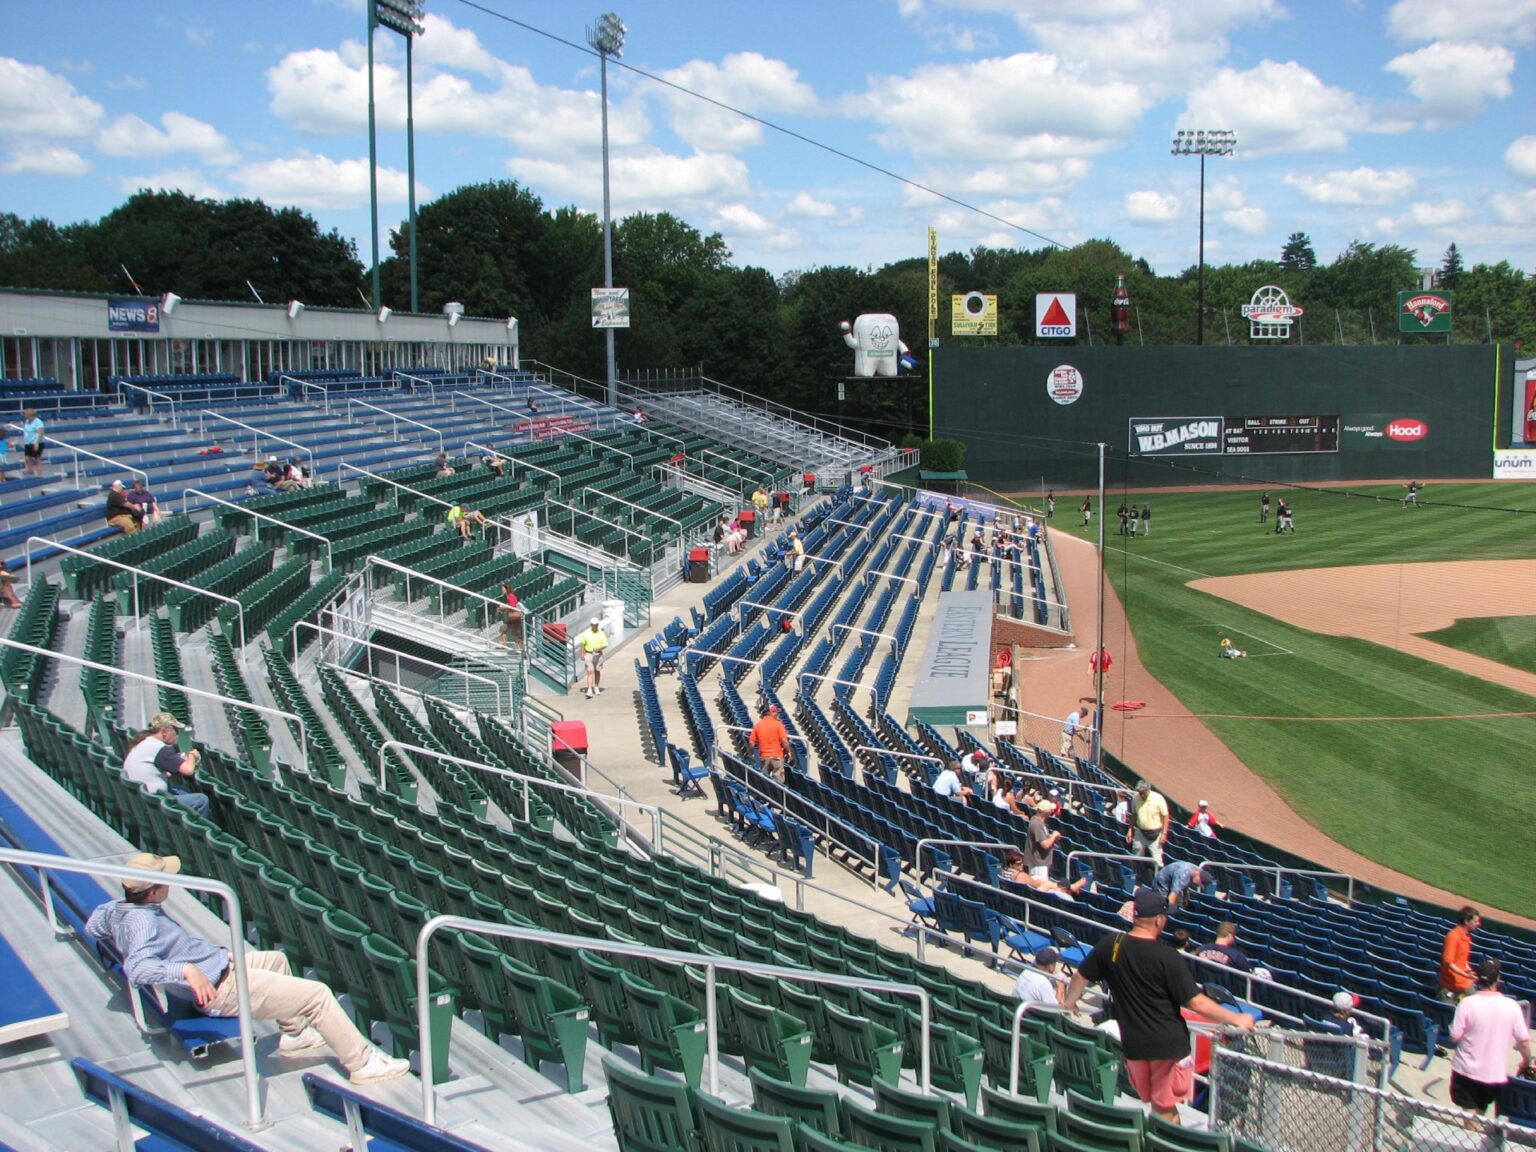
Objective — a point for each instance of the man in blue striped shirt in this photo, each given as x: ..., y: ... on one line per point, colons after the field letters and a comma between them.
x: 157, y: 950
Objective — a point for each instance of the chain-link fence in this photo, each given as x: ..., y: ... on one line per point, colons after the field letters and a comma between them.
x: 1292, y: 1108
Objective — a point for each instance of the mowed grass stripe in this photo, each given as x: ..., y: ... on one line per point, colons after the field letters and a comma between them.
x: 1508, y: 639
x: 1447, y: 801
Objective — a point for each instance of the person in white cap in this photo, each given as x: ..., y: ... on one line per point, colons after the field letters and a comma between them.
x: 593, y: 643
x: 1203, y: 822
x: 155, y: 762
x: 1343, y: 1016
x: 156, y: 950
x: 122, y: 513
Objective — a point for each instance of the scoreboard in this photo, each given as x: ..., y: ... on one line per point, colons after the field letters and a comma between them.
x: 1253, y: 435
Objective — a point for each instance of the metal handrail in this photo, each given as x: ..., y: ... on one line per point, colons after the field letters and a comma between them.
x: 712, y: 491
x: 558, y: 786
x: 49, y: 654
x: 735, y: 464
x: 137, y: 572
x: 467, y: 675
x: 411, y: 573
x: 257, y: 433
x: 79, y: 452
x: 418, y: 493
x: 865, y: 631
x: 601, y: 495
x: 889, y: 752
x: 590, y: 515
x: 1086, y: 854
x: 431, y: 384
x: 1226, y: 970
x: 630, y: 456
x: 396, y: 417
x: 453, y: 403
x: 512, y: 460
x: 185, y: 492
x: 708, y: 961
x: 45, y: 863
x: 306, y: 385
x: 1278, y: 869
x: 804, y: 676
x: 166, y: 396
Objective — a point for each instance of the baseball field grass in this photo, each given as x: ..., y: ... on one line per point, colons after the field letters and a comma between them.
x: 1508, y: 639
x: 1373, y: 746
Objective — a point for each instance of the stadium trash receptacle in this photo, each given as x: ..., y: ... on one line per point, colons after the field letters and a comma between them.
x: 698, y: 566
x: 568, y: 742
x: 748, y: 518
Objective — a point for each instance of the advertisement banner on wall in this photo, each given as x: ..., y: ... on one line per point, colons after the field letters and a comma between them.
x: 1055, y: 315
x: 1175, y: 435
x: 135, y: 314
x: 610, y: 307
x: 1424, y: 312
x: 1514, y: 463
x: 973, y: 314
x: 1381, y: 430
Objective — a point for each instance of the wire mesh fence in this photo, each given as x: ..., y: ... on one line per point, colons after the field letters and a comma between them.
x: 1285, y: 1108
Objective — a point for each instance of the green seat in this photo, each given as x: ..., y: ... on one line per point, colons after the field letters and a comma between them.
x: 487, y: 981
x: 772, y: 1041
x: 553, y: 1019
x: 1036, y: 1066
x: 1162, y: 1136
x: 726, y: 1129
x: 995, y: 1132
x: 804, y: 1001
x: 395, y: 976
x: 811, y: 1140
x: 1101, y: 1137
x: 954, y: 1059
x: 864, y: 1051
x: 346, y: 933
x: 671, y: 1032
x: 1018, y: 1110
x: 1083, y: 1066
x: 650, y: 1114
x: 892, y: 1100
x: 603, y: 984
x: 887, y: 1133
x: 822, y: 1111
x: 1109, y: 1114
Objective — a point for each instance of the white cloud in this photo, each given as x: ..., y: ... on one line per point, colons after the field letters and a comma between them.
x: 1354, y: 186
x: 1521, y: 157
x: 1426, y: 20
x: 1275, y: 108
x: 200, y: 35
x: 1016, y: 177
x: 1148, y: 207
x: 1427, y: 214
x: 746, y: 80
x: 190, y: 181
x: 132, y: 136
x: 1021, y: 107
x: 444, y: 45
x: 1250, y: 220
x: 46, y: 160
x: 319, y: 183
x: 739, y: 218
x: 1516, y: 208
x: 35, y: 102
x: 649, y: 180
x: 1455, y: 79
x: 804, y: 204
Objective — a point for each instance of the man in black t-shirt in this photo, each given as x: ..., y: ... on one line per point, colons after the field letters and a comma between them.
x: 1150, y: 983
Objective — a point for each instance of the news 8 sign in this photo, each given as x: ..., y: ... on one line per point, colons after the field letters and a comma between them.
x: 135, y: 314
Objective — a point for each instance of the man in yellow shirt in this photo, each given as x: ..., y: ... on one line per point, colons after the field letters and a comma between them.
x: 1150, y: 820
x: 760, y: 502
x: 593, y: 643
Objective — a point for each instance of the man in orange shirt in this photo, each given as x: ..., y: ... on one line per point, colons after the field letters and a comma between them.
x: 771, y: 739
x: 1456, y: 975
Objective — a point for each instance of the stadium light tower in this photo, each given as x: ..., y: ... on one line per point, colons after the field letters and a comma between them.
x: 607, y: 39
x: 402, y: 17
x: 1203, y: 143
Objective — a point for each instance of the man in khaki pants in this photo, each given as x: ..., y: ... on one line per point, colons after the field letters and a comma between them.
x: 157, y: 950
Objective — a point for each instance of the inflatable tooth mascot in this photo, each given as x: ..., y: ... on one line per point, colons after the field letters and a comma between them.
x: 875, y: 339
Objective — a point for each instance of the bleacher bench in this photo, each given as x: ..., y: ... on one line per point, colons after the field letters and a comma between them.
x: 171, y: 1128
x: 378, y: 1127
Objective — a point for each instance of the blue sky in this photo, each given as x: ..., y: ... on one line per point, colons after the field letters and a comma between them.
x: 1411, y: 122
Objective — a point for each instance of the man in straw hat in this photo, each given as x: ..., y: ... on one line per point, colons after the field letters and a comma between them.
x: 158, y: 951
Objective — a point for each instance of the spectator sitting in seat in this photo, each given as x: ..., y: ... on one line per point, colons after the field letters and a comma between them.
x: 276, y: 476
x: 294, y: 473
x: 158, y: 951
x: 1016, y: 871
x: 458, y: 520
x: 1173, y: 880
x: 947, y: 784
x: 443, y: 465
x: 1203, y: 822
x: 8, y: 587
x: 493, y: 460
x: 1343, y: 1015
x: 123, y: 515
x: 1004, y: 798
x: 145, y: 500
x: 1225, y: 949
x: 1035, y: 985
x: 154, y: 761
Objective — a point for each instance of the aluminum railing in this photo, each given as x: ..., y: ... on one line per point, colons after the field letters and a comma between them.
x: 332, y: 634
x: 79, y: 452
x: 256, y: 435
x: 1280, y: 870
x: 710, y: 962
x: 262, y: 516
x: 123, y: 385
x: 45, y: 863
x: 395, y: 417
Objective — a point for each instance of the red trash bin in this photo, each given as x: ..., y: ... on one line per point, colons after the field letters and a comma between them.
x: 698, y: 566
x: 748, y: 518
x: 568, y: 741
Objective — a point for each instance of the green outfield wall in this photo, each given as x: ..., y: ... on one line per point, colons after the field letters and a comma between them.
x: 1224, y: 414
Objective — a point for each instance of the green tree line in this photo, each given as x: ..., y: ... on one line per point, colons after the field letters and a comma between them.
x: 497, y: 249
